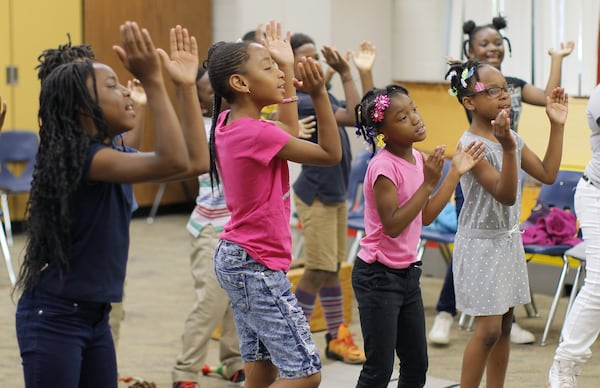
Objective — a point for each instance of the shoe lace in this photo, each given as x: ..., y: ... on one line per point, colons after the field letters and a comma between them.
x: 349, y: 341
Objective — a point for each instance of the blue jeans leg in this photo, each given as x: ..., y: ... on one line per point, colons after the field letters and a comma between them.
x: 64, y: 343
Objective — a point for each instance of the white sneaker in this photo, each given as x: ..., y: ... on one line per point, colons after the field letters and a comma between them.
x: 563, y: 374
x: 440, y: 331
x: 518, y: 335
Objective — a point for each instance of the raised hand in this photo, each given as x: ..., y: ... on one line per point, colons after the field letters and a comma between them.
x: 557, y: 106
x: 464, y: 160
x: 2, y: 112
x: 138, y: 94
x: 138, y: 53
x: 307, y: 127
x: 434, y: 163
x: 334, y: 59
x: 279, y: 47
x: 311, y: 74
x: 182, y: 64
x: 565, y: 50
x: 365, y: 58
x: 502, y: 131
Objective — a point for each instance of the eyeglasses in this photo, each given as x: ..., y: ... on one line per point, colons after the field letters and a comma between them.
x: 496, y: 92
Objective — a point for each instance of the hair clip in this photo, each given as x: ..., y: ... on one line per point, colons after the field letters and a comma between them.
x: 479, y: 86
x: 380, y: 142
x: 451, y: 75
x: 382, y: 102
x: 452, y: 91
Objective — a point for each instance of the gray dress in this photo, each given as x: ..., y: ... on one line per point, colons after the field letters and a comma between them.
x: 490, y: 271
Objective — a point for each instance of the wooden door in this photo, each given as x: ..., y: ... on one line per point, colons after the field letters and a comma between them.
x: 102, y: 19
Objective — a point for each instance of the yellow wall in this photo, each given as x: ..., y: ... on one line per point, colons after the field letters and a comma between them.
x: 27, y: 28
x: 446, y: 120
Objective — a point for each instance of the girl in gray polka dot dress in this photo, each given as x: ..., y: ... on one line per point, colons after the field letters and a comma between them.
x: 490, y: 273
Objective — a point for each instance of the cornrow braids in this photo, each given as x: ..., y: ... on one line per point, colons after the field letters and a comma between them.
x: 363, y: 113
x: 64, y: 143
x: 470, y: 28
x: 50, y: 59
x: 224, y: 60
x: 463, y: 76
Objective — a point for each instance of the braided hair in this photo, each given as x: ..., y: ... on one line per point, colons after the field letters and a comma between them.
x: 224, y: 60
x: 470, y: 29
x: 50, y: 59
x: 366, y: 126
x: 64, y: 98
x: 463, y: 77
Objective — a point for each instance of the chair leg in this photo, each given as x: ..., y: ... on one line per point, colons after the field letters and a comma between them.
x: 575, y: 289
x: 421, y: 249
x: 465, y: 322
x: 531, y: 308
x: 557, y: 295
x: 354, y: 247
x: 156, y: 204
x: 7, y: 256
x: 6, y: 215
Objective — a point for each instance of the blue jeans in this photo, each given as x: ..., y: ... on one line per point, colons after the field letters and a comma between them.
x: 392, y: 317
x: 271, y: 325
x: 64, y: 343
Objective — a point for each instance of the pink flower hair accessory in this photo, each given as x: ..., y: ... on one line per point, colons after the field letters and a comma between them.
x: 382, y: 102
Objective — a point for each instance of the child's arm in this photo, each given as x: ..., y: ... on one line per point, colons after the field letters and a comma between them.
x: 501, y: 185
x: 328, y: 151
x: 170, y: 156
x: 364, y: 60
x: 182, y: 66
x: 282, y: 53
x: 396, y: 218
x: 545, y: 171
x: 134, y: 137
x: 536, y: 96
x: 462, y: 161
x: 2, y: 112
x: 343, y: 116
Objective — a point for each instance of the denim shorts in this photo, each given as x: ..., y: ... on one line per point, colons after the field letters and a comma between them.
x: 271, y: 325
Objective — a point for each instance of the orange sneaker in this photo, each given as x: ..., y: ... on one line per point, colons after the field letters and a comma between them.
x: 343, y: 347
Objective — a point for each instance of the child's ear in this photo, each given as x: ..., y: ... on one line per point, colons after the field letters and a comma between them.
x: 238, y: 83
x: 468, y: 103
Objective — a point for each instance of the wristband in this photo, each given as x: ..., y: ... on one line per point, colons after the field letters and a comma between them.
x: 289, y: 99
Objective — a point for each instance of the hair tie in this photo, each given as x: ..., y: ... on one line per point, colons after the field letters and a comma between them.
x: 382, y: 102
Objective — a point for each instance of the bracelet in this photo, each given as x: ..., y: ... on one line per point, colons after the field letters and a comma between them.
x: 289, y: 99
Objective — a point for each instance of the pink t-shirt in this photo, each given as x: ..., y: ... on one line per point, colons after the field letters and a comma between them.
x: 257, y: 189
x: 394, y: 252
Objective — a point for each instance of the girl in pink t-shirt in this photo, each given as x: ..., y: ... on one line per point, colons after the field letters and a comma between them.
x: 399, y: 198
x: 254, y: 251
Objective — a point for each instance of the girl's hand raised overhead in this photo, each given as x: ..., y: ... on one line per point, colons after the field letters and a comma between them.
x: 502, y: 131
x: 279, y: 48
x: 565, y: 50
x: 311, y: 74
x: 182, y: 65
x: 557, y: 106
x: 464, y: 160
x: 365, y: 58
x: 138, y: 53
x: 334, y: 59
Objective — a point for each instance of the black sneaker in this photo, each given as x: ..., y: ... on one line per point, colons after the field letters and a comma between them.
x: 238, y: 376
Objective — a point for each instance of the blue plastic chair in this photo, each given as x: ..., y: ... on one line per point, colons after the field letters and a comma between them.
x: 356, y: 201
x: 559, y: 194
x: 16, y: 146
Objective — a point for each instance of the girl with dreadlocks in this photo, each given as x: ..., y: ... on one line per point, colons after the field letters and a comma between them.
x: 399, y: 199
x: 255, y: 248
x: 80, y: 204
x: 488, y: 243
